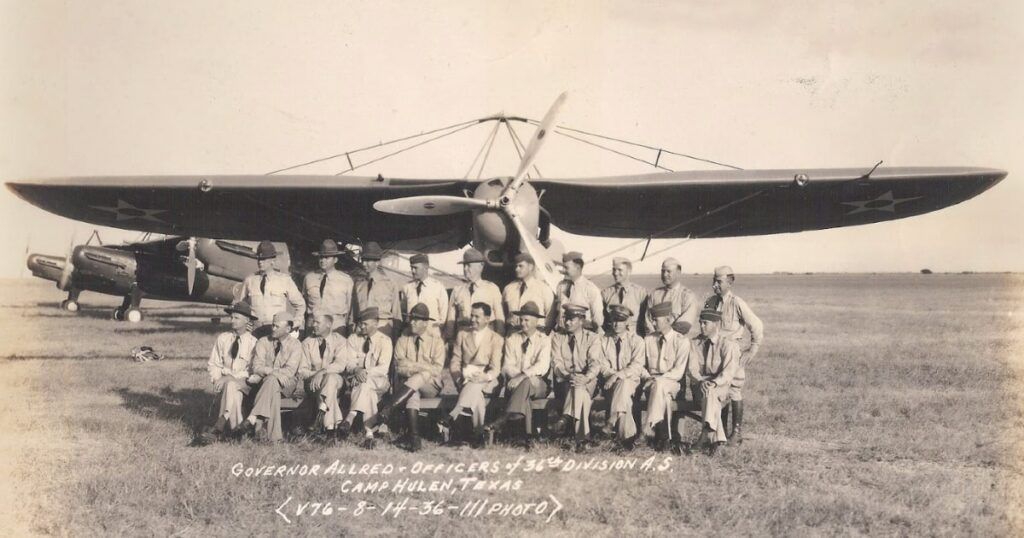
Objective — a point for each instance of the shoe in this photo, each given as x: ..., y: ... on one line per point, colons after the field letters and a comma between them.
x: 496, y: 424
x: 369, y: 443
x: 737, y: 422
x: 318, y: 423
x: 714, y: 447
x: 581, y: 447
x: 342, y: 430
x: 677, y: 448
x: 245, y: 430
x: 558, y: 428
x: 737, y: 435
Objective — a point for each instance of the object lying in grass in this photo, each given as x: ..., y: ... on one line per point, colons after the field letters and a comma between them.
x: 145, y: 354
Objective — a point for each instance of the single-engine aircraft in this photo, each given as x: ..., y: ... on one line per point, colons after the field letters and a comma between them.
x: 507, y: 215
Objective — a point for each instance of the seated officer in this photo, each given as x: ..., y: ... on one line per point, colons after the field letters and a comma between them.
x: 475, y: 366
x: 367, y: 372
x: 527, y: 364
x: 419, y: 360
x: 275, y: 363
x: 714, y: 361
x: 665, y: 364
x: 230, y: 365
x: 576, y: 358
x: 326, y: 354
x: 623, y: 352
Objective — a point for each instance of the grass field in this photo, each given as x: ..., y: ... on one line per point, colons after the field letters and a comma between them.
x: 880, y: 404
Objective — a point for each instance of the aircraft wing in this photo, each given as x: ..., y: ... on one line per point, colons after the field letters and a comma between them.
x: 720, y: 203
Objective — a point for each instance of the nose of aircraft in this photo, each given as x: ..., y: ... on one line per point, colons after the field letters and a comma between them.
x: 47, y: 267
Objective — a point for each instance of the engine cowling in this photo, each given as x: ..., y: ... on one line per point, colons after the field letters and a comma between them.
x: 493, y: 233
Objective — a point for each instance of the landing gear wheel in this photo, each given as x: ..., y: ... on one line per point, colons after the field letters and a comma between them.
x: 69, y: 305
x: 118, y: 315
x: 133, y: 315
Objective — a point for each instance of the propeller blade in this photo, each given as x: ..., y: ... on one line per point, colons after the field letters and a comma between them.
x: 191, y: 264
x: 429, y: 206
x: 545, y: 266
x: 65, y: 275
x: 530, y: 155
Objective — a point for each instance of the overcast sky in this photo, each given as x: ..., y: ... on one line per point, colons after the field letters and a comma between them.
x: 248, y: 87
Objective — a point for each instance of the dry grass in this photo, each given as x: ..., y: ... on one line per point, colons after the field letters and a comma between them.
x: 883, y: 405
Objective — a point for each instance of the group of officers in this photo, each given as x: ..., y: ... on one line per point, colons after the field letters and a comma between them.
x: 389, y: 346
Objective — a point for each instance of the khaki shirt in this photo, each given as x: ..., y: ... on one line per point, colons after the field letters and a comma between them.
x: 584, y: 292
x: 462, y: 300
x: 584, y: 357
x: 715, y: 359
x: 630, y: 295
x: 667, y: 359
x: 428, y: 357
x: 536, y: 361
x: 685, y: 306
x: 334, y: 360
x: 278, y: 293
x: 336, y: 299
x: 737, y: 315
x: 281, y: 363
x: 514, y: 297
x: 469, y: 355
x: 628, y: 360
x: 376, y: 359
x: 220, y: 356
x: 377, y: 290
x: 431, y: 293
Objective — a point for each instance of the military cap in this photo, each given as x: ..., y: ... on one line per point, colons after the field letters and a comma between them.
x: 572, y: 256
x: 241, y: 307
x: 419, y: 258
x: 265, y: 251
x: 661, y: 310
x: 710, y: 315
x: 328, y: 249
x: 368, y: 313
x: 524, y: 257
x: 529, y: 309
x: 681, y: 326
x: 574, y: 310
x: 283, y: 316
x: 472, y: 256
x: 671, y: 261
x: 618, y: 312
x: 712, y: 303
x: 723, y: 270
x: 372, y: 251
x: 420, y: 311
x: 619, y: 260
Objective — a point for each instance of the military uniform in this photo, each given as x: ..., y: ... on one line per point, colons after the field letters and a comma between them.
x: 476, y: 354
x: 717, y: 360
x: 329, y: 293
x: 664, y: 366
x: 628, y: 294
x: 377, y: 290
x: 623, y: 355
x: 331, y: 355
x: 462, y: 299
x: 277, y: 363
x: 685, y: 305
x: 372, y: 353
x: 576, y: 353
x: 531, y: 357
x: 230, y: 365
x: 429, y: 292
x: 419, y: 361
x: 270, y: 293
x: 737, y: 315
x: 519, y: 292
x: 583, y: 292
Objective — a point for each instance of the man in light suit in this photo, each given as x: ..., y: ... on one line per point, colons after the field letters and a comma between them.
x: 326, y: 355
x: 576, y: 361
x: 230, y: 366
x: 624, y: 355
x: 714, y: 361
x: 475, y: 366
x: 328, y: 291
x: 667, y: 353
x: 367, y: 372
x: 270, y: 291
x: 276, y: 364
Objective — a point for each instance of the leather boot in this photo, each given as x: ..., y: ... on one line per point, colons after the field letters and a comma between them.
x: 737, y: 422
x: 384, y: 413
x: 725, y: 421
x: 415, y: 444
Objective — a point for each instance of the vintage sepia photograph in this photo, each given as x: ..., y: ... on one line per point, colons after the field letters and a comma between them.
x: 511, y: 268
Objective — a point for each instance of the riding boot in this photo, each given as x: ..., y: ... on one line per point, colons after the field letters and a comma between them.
x: 737, y: 422
x: 725, y: 421
x: 415, y: 444
x: 385, y: 408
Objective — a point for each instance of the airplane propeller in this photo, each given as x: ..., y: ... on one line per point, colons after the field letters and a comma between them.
x: 65, y: 275
x: 191, y: 264
x: 447, y: 205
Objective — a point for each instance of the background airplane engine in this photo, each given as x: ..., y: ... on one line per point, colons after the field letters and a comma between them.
x: 104, y: 269
x: 46, y: 267
x: 493, y: 232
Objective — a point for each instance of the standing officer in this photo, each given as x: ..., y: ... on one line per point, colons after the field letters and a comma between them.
x: 476, y: 290
x: 713, y: 363
x: 579, y: 290
x: 624, y: 292
x: 527, y: 364
x: 736, y: 315
x: 270, y: 291
x: 328, y: 290
x: 367, y: 372
x: 377, y: 291
x: 624, y: 355
x: 419, y: 360
x: 667, y: 353
x: 326, y: 355
x: 527, y: 288
x: 576, y: 357
x: 230, y: 365
x: 475, y: 366
x: 276, y: 363
x: 426, y: 290
x: 685, y: 305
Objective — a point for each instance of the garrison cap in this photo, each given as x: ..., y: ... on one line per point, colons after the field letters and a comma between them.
x: 372, y: 251
x: 368, y: 313
x: 572, y: 256
x: 328, y: 248
x: 472, y: 256
x: 419, y: 258
x: 420, y: 311
x: 671, y: 261
x: 661, y: 310
x: 723, y: 270
x: 619, y: 260
x: 265, y: 251
x: 681, y: 326
x: 241, y: 307
x: 283, y: 316
x: 574, y: 310
x: 713, y: 303
x: 618, y: 312
x: 524, y: 257
x: 710, y: 315
x: 529, y: 309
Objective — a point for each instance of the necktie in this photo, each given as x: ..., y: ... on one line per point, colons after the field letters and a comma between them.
x: 418, y: 340
x: 277, y: 347
x: 366, y: 344
x: 472, y: 289
x: 661, y: 344
x: 263, y: 284
x: 369, y: 286
x: 661, y: 356
x: 572, y: 343
x: 707, y: 347
x: 522, y: 290
x: 622, y: 293
x: 419, y: 288
x: 323, y: 284
x: 323, y: 347
x: 234, y: 347
x: 568, y: 289
x: 526, y: 345
x: 618, y: 352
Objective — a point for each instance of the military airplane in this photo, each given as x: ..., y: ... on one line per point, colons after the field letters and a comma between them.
x: 506, y: 215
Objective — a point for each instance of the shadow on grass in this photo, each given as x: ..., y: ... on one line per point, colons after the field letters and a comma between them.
x: 192, y: 407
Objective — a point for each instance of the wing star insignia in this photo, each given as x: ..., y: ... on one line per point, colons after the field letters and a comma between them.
x: 884, y: 202
x: 127, y: 211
